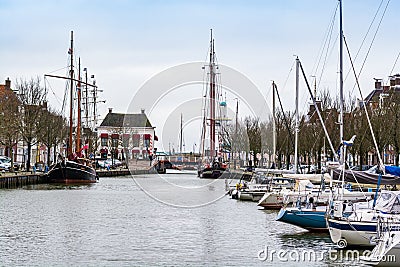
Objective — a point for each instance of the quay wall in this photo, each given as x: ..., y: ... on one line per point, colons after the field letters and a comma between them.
x: 19, y: 180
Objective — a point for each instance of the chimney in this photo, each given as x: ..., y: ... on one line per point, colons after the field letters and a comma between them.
x: 392, y: 80
x: 109, y: 110
x: 8, y: 84
x: 44, y: 105
x: 397, y: 81
x: 142, y: 110
x: 378, y: 83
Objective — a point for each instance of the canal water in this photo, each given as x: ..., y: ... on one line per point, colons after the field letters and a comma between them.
x: 152, y: 220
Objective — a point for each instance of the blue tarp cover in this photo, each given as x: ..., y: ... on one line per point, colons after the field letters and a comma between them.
x: 393, y: 170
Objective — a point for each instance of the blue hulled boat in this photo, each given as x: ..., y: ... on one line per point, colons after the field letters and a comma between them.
x: 310, y: 219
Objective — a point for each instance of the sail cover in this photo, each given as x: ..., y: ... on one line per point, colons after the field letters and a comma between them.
x: 365, y: 177
x: 393, y: 170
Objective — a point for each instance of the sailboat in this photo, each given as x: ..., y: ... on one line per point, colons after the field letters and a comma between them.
x: 387, y: 249
x: 73, y: 169
x: 211, y: 166
x: 314, y: 218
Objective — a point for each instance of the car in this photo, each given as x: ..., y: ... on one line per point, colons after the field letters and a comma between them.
x: 109, y: 163
x: 5, y: 163
x: 102, y: 163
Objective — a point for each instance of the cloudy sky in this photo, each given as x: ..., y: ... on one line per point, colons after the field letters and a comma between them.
x: 125, y: 44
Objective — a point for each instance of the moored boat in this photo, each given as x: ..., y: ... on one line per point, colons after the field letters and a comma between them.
x: 75, y: 169
x: 360, y: 227
x: 312, y: 219
x: 72, y: 172
x: 212, y: 165
x: 387, y: 249
x: 260, y: 184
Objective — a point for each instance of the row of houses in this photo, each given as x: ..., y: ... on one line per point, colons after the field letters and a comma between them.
x: 129, y: 136
x: 373, y: 100
x: 123, y: 136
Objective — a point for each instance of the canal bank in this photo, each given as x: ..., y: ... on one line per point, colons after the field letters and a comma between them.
x: 16, y: 180
x: 9, y: 180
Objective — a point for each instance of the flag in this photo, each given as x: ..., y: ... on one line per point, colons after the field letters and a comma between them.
x: 85, y: 147
x: 350, y: 142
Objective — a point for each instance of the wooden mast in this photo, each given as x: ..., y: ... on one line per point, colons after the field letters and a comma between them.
x: 71, y: 75
x: 212, y: 100
x: 78, y: 126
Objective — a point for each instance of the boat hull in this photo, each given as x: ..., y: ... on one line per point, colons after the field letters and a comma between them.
x: 211, y: 173
x: 312, y: 220
x: 271, y: 200
x: 351, y: 233
x: 386, y: 251
x: 70, y: 172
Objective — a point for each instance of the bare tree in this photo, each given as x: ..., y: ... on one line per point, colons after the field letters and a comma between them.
x: 53, y: 132
x: 32, y: 97
x: 254, y: 135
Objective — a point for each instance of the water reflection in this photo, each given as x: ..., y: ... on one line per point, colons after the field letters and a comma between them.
x: 58, y: 187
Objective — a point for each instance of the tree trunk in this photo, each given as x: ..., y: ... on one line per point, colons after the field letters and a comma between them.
x: 28, y: 160
x: 279, y: 160
x: 48, y: 155
x: 54, y: 153
x: 12, y: 159
x: 287, y: 161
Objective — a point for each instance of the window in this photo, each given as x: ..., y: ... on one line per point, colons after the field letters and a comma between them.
x: 114, y: 140
x: 125, y: 140
x: 104, y: 141
x: 147, y: 138
x: 136, y: 139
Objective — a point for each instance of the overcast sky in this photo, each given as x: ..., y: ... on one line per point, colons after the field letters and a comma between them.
x: 126, y: 43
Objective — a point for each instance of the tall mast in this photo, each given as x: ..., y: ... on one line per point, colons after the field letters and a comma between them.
x: 273, y: 124
x: 341, y: 158
x: 180, y: 141
x: 296, y: 127
x: 86, y: 100
x: 71, y: 75
x: 78, y: 126
x: 236, y: 131
x: 212, y: 99
x: 94, y: 103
